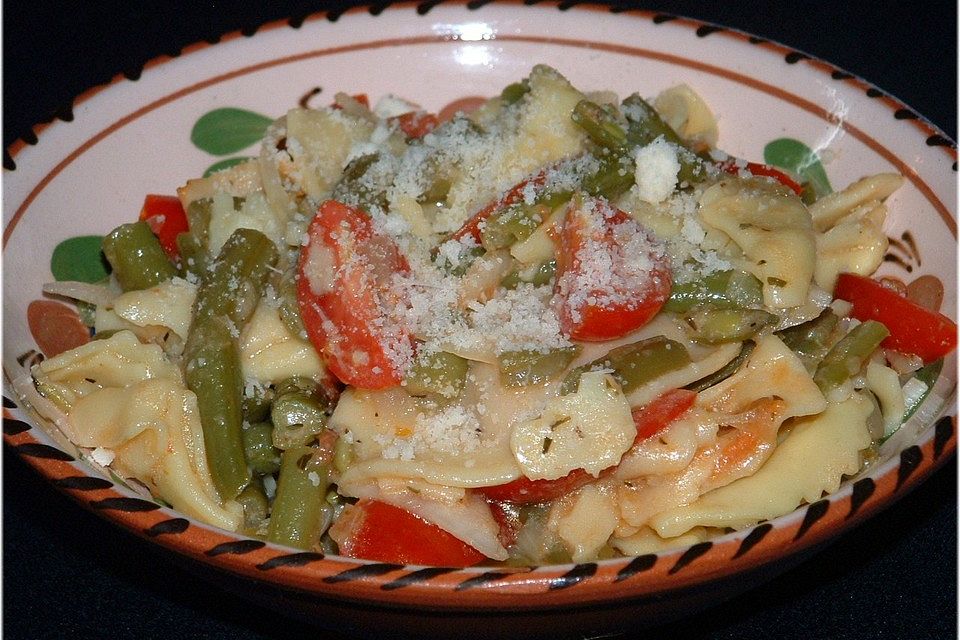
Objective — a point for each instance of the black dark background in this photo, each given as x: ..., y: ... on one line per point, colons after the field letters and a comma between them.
x: 66, y: 573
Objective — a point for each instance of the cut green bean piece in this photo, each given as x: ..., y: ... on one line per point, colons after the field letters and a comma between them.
x: 600, y: 125
x: 194, y: 257
x: 198, y: 219
x: 262, y: 456
x: 614, y: 177
x: 289, y: 305
x: 539, y: 275
x: 137, y: 258
x: 718, y: 326
x: 256, y: 403
x: 234, y: 285
x: 465, y: 260
x: 438, y: 373
x: 212, y: 370
x: 514, y: 92
x: 297, y: 516
x: 256, y: 507
x: 646, y: 125
x: 634, y: 365
x: 724, y: 289
x: 848, y: 356
x: 517, y: 222
x: 527, y: 367
x: 725, y: 371
x: 298, y: 417
x: 353, y: 188
x: 812, y: 339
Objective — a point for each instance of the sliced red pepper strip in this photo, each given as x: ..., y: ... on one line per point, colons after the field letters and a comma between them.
x: 375, y: 530
x: 765, y: 170
x: 167, y: 219
x: 913, y: 329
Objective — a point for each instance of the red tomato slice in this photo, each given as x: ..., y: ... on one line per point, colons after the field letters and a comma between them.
x: 343, y: 293
x: 611, y: 277
x: 416, y: 124
x: 375, y: 530
x: 913, y: 329
x: 765, y: 170
x: 649, y: 419
x: 167, y: 219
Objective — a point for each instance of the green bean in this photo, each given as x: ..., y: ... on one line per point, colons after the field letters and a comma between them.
x: 194, y: 257
x: 354, y: 188
x: 256, y: 405
x: 342, y: 455
x: 212, y: 371
x: 614, y: 177
x: 262, y: 456
x: 723, y: 289
x: 645, y: 125
x: 289, y: 304
x: 198, y: 219
x: 255, y: 505
x: 717, y: 326
x: 517, y: 222
x: 527, y: 367
x: 137, y: 258
x: 540, y: 275
x: 725, y: 371
x: 466, y: 259
x: 297, y: 516
x: 848, y: 356
x: 811, y: 339
x: 514, y: 92
x: 634, y: 364
x: 298, y: 413
x: 438, y: 373
x: 234, y: 285
x: 600, y: 125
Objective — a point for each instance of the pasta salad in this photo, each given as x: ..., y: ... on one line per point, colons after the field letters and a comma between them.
x: 561, y: 327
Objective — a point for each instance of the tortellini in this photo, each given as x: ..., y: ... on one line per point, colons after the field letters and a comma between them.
x: 270, y: 352
x: 856, y: 244
x: 773, y: 229
x: 169, y: 305
x: 590, y: 429
x: 813, y: 459
x: 125, y: 396
x: 688, y: 114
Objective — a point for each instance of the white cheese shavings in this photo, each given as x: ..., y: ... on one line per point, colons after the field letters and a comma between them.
x: 657, y: 167
x: 451, y: 430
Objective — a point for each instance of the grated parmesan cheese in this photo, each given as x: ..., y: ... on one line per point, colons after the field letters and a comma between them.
x: 657, y: 167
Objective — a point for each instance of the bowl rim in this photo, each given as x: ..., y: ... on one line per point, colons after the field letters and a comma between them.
x: 645, y: 576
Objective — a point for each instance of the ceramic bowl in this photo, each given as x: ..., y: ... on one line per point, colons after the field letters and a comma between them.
x: 761, y: 92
